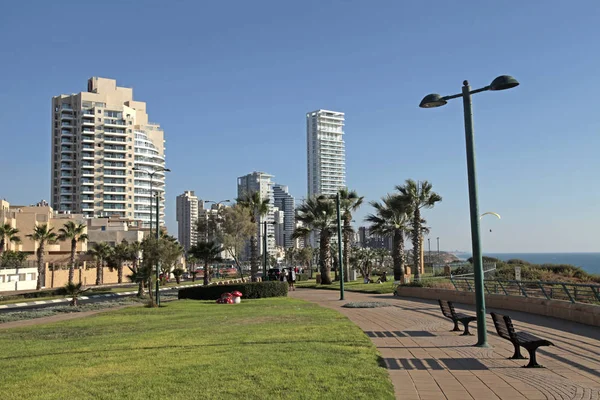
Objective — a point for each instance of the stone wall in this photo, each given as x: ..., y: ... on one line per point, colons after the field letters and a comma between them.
x: 588, y: 314
x: 87, y: 276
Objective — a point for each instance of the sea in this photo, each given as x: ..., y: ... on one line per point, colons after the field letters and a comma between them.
x: 590, y: 262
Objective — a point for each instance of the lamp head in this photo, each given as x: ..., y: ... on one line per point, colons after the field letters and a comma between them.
x: 432, y: 100
x: 504, y: 82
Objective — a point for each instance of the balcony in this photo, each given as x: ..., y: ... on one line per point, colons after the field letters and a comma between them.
x: 88, y: 122
x: 109, y: 189
x: 110, y: 172
x: 115, y: 182
x: 87, y: 190
x: 89, y: 112
x: 66, y: 125
x: 115, y: 148
x: 87, y: 156
x: 114, y: 156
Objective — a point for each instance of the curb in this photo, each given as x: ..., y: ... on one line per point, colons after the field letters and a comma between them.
x: 58, y: 301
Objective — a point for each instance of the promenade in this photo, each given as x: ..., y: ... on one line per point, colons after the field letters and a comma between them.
x: 426, y: 361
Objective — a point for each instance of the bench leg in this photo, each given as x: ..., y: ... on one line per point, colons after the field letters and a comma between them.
x: 532, y: 360
x: 456, y: 328
x: 517, y: 355
x: 466, y: 332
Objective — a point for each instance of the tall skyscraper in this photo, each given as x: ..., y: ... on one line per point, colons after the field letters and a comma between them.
x: 107, y: 159
x: 326, y: 152
x: 260, y: 182
x: 187, y: 216
x: 286, y: 204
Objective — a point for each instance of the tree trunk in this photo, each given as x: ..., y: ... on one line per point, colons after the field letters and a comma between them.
x: 416, y: 242
x: 398, y: 255
x: 178, y: 279
x: 72, y: 266
x: 74, y: 301
x: 52, y: 279
x: 206, y: 273
x: 336, y: 266
x: 254, y: 258
x: 40, y: 265
x: 325, y: 258
x: 2, y: 243
x: 99, y: 267
x: 120, y: 273
x: 140, y: 292
x: 194, y: 276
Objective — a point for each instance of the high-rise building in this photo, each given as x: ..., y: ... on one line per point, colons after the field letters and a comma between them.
x: 284, y: 201
x: 326, y: 152
x: 260, y: 182
x: 107, y: 158
x: 187, y: 216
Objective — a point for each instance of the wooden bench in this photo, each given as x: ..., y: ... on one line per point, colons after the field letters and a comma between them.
x: 448, y: 311
x: 506, y: 330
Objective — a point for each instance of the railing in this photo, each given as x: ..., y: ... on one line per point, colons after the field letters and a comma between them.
x: 573, y: 292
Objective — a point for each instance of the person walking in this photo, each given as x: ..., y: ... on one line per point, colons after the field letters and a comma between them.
x: 292, y: 279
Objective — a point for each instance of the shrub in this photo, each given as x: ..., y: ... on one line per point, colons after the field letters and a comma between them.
x: 253, y: 290
x: 302, y: 277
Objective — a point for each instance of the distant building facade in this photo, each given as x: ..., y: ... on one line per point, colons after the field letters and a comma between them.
x: 187, y: 216
x: 262, y: 183
x: 286, y: 204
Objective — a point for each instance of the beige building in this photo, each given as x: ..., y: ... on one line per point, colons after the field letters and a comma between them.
x: 187, y: 217
x: 107, y: 158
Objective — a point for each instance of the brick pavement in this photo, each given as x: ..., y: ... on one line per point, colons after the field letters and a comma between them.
x: 427, y: 361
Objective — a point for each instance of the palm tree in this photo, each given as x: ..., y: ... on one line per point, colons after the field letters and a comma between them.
x: 418, y: 195
x: 209, y: 252
x: 8, y: 233
x: 43, y: 236
x: 75, y: 232
x: 119, y: 255
x: 100, y: 251
x: 350, y: 202
x: 257, y: 208
x: 134, y: 249
x: 318, y: 214
x: 74, y: 290
x: 391, y: 218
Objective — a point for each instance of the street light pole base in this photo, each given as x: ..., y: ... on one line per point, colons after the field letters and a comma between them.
x: 483, y: 345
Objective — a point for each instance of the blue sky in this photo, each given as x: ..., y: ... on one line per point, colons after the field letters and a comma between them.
x: 231, y: 82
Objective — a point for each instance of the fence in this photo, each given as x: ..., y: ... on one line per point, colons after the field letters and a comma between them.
x: 573, y: 292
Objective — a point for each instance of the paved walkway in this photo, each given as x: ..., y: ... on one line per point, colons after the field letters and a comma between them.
x: 427, y: 361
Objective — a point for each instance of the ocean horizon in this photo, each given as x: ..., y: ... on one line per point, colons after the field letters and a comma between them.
x: 590, y: 262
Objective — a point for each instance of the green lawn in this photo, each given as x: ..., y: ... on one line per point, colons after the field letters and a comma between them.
x: 355, y: 286
x: 261, y: 349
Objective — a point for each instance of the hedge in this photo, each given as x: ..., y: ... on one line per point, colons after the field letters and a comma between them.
x: 250, y: 290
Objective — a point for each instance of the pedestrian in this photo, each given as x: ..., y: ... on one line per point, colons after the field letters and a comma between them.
x: 292, y: 279
x: 283, y: 275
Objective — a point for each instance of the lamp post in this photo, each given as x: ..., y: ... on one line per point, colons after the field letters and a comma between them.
x: 435, y: 100
x: 340, y: 243
x: 438, y: 249
x: 429, y: 256
x: 152, y: 173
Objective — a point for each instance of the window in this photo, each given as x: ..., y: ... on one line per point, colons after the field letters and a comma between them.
x: 128, y: 130
x: 129, y: 147
x: 129, y: 163
x: 99, y: 119
x: 99, y: 111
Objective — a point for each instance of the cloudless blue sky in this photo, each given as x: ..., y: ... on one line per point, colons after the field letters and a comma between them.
x: 230, y: 83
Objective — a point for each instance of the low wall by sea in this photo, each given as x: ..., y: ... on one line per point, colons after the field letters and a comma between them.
x: 588, y: 314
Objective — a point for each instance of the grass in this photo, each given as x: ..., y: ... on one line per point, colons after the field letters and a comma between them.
x: 355, y: 286
x: 276, y: 348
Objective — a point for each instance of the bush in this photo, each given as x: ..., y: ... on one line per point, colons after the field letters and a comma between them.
x: 254, y: 290
x: 302, y: 277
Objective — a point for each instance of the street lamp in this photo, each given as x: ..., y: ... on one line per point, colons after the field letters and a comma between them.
x: 435, y: 100
x: 340, y: 243
x: 152, y: 173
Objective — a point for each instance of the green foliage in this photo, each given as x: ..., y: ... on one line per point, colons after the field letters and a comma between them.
x: 302, y: 277
x: 250, y: 290
x: 12, y: 259
x: 8, y: 233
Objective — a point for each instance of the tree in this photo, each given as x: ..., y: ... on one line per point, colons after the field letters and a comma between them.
x: 391, y: 218
x: 101, y: 252
x: 363, y: 259
x: 350, y: 202
x: 134, y: 249
x: 319, y: 215
x: 73, y: 290
x: 418, y: 195
x: 12, y: 259
x: 42, y: 235
x: 8, y: 233
x: 305, y: 256
x: 119, y: 255
x: 256, y: 209
x: 208, y: 252
x: 75, y: 232
x: 177, y: 272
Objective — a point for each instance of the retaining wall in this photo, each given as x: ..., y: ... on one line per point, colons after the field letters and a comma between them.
x: 588, y: 314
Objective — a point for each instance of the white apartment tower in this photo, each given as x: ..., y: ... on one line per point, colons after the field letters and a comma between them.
x: 106, y: 156
x: 326, y: 152
x: 187, y: 215
x: 284, y: 201
x: 260, y: 182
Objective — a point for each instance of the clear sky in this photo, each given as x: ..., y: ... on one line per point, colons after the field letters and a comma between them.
x: 231, y: 81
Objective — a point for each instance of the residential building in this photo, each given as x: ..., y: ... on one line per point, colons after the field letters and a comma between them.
x: 187, y: 217
x: 107, y: 158
x: 279, y: 227
x: 367, y: 239
x: 326, y: 152
x: 209, y: 219
x: 284, y: 201
x: 260, y: 182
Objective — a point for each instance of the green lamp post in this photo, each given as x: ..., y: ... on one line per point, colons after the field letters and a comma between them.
x: 435, y: 100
